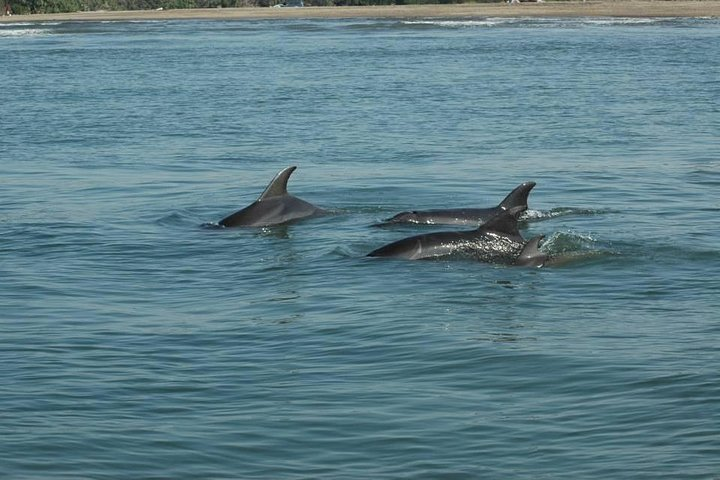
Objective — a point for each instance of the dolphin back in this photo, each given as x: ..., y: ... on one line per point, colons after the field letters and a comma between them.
x: 275, y: 206
x: 504, y: 222
x: 518, y: 197
x: 465, y: 216
x: 531, y: 256
x: 278, y: 186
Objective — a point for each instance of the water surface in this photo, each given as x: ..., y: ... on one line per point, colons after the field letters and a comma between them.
x: 139, y: 342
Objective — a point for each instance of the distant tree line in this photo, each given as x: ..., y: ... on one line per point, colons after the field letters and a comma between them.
x: 61, y: 6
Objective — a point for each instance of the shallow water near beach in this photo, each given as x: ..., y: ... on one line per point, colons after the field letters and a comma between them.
x: 139, y: 340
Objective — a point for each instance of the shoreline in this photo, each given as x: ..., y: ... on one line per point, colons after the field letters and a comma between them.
x: 591, y: 8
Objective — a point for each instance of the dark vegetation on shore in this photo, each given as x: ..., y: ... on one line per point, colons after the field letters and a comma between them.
x: 63, y: 6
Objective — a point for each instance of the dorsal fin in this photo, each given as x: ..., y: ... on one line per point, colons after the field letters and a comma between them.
x: 531, y: 256
x: 278, y: 186
x: 518, y: 197
x: 504, y: 222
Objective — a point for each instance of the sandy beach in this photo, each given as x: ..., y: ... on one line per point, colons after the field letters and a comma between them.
x: 607, y: 8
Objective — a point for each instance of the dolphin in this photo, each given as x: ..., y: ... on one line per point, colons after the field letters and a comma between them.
x: 465, y: 216
x: 275, y: 206
x: 496, y: 241
x: 531, y: 256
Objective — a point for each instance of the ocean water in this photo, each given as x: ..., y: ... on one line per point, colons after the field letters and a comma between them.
x: 139, y: 341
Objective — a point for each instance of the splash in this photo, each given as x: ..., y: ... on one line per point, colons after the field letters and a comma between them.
x: 539, y: 215
x: 568, y: 242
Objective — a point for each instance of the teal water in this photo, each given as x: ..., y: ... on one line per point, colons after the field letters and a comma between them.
x: 138, y: 342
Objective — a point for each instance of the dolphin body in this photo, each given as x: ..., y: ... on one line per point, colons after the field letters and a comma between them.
x: 274, y: 207
x: 465, y: 216
x: 496, y: 241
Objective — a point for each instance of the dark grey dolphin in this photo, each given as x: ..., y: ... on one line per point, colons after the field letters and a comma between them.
x: 497, y: 240
x: 465, y: 216
x: 275, y: 206
x: 531, y: 256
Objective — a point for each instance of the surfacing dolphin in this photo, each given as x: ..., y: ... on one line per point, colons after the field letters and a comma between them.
x: 496, y: 241
x: 274, y: 207
x: 464, y: 216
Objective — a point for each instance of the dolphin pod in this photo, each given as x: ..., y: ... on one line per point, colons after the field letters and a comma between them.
x: 495, y: 240
x: 274, y: 207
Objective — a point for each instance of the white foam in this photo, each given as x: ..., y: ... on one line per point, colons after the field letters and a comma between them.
x: 531, y: 21
x: 23, y: 32
x: 621, y: 21
x: 489, y: 22
x: 27, y: 24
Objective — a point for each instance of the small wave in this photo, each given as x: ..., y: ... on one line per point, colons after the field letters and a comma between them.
x: 185, y: 219
x: 679, y: 253
x: 707, y: 175
x: 211, y: 226
x: 629, y: 21
x: 24, y: 32
x: 566, y: 242
x: 529, y: 22
x: 307, y: 27
x: 620, y: 21
x: 172, y: 219
x: 489, y: 22
x: 350, y: 252
x: 567, y: 248
x: 18, y: 24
